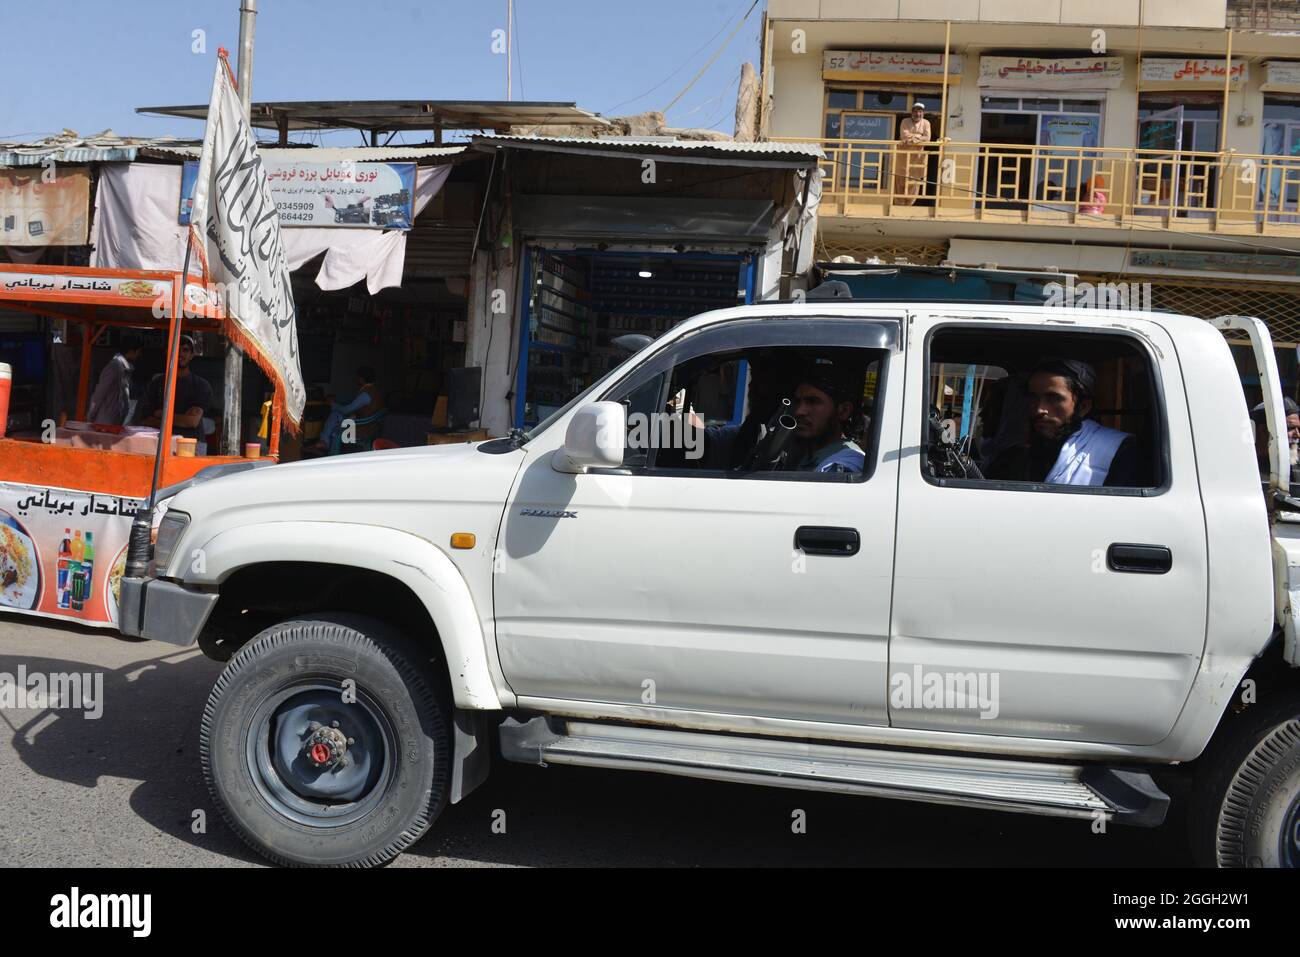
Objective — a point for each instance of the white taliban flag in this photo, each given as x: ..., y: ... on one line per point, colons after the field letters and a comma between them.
x: 235, y: 232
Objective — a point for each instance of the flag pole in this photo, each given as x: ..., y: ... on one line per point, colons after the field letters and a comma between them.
x: 140, y: 541
x: 232, y: 390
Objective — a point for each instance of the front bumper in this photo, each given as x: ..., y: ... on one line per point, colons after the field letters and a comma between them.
x: 163, y: 610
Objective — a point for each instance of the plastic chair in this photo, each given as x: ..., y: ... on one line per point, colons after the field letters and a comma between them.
x: 378, y: 445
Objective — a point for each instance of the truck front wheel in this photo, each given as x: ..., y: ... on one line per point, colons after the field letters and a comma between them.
x: 1248, y: 791
x: 324, y: 743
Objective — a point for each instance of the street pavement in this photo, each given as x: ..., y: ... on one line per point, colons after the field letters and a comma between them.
x: 122, y: 790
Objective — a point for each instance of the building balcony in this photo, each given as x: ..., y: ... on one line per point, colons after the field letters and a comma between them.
x: 1096, y: 188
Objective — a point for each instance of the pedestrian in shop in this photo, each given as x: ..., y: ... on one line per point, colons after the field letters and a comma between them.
x: 193, y: 396
x: 364, y: 411
x: 111, y: 401
x: 910, y: 159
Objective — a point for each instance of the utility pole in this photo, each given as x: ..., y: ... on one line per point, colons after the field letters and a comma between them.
x: 510, y: 33
x: 233, y: 386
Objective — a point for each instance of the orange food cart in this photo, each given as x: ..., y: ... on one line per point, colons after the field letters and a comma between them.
x: 68, y: 497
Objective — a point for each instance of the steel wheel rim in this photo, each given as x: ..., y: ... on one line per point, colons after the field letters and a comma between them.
x: 1289, y: 840
x: 281, y: 770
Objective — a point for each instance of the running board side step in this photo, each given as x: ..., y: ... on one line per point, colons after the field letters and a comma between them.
x: 1057, y: 790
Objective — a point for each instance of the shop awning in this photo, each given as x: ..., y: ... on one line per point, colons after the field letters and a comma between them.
x: 654, y: 218
x: 711, y: 152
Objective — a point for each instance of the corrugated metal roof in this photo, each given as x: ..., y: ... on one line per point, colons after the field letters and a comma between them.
x: 69, y: 147
x: 710, y: 152
x: 108, y: 147
x: 358, y: 154
x: 23, y: 157
x: 810, y: 149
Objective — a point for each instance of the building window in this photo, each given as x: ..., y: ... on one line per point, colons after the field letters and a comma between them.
x: 891, y: 106
x: 870, y: 115
x: 1042, y: 121
x: 1041, y: 146
x: 1280, y: 185
x: 1169, y: 125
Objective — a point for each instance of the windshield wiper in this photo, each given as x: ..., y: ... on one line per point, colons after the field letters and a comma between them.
x: 518, y: 437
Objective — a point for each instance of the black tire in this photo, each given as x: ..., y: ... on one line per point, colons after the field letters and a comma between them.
x: 1246, y: 809
x: 390, y: 780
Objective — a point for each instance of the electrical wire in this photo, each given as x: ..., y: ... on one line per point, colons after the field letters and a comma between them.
x: 704, y: 46
x: 717, y: 116
x: 712, y: 59
x: 710, y: 101
x: 519, y: 60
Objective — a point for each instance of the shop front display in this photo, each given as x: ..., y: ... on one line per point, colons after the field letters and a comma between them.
x: 580, y: 303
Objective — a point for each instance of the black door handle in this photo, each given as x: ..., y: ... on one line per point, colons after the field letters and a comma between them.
x: 826, y: 540
x: 1142, y: 559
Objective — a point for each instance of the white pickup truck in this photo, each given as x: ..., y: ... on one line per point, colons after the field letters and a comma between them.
x: 660, y: 578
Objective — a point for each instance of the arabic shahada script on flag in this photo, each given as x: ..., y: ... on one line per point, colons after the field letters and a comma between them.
x: 235, y: 231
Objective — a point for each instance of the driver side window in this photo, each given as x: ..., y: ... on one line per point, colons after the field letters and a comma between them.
x: 795, y: 412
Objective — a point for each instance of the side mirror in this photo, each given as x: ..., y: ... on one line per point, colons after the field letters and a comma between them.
x: 595, y: 438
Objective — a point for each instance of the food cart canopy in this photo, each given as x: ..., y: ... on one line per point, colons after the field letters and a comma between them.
x: 128, y: 297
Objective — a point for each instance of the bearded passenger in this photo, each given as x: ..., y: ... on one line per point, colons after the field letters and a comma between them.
x: 1066, y: 447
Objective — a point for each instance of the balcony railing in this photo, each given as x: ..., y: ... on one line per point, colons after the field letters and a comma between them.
x: 1099, y: 187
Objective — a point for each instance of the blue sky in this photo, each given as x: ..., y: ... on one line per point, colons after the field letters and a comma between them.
x: 87, y: 64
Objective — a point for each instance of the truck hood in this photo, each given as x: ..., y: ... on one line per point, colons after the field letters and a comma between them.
x: 348, y: 487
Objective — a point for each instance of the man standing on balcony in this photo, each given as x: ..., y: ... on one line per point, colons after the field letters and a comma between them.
x: 910, y: 163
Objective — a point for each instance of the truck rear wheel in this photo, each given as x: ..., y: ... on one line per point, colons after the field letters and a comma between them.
x: 1249, y: 792
x: 323, y: 743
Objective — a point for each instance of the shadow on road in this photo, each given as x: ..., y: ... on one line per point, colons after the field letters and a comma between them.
x: 587, y: 817
x: 552, y: 816
x: 148, y: 731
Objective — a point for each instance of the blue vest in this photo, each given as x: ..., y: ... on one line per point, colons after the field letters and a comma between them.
x: 840, y: 456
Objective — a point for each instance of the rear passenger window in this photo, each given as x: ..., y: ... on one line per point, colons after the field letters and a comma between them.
x: 1043, y: 409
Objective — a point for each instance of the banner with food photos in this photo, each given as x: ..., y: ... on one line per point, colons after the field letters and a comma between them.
x: 62, y: 552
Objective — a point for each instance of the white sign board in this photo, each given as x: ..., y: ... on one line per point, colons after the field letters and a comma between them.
x: 1191, y: 70
x: 1034, y: 73
x: 1282, y: 73
x: 892, y: 62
